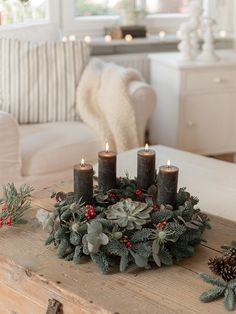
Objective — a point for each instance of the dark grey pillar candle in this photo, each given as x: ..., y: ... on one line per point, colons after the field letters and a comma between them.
x: 146, y: 168
x: 106, y: 170
x: 83, y: 182
x: 167, y: 185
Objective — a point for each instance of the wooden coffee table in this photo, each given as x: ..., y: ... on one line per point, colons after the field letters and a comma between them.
x: 31, y: 274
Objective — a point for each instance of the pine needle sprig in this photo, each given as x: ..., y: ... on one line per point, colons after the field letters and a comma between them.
x: 225, y: 267
x: 14, y: 204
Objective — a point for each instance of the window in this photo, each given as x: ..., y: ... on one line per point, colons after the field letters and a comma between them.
x: 96, y: 7
x: 20, y: 11
x: 165, y: 6
x: 115, y: 7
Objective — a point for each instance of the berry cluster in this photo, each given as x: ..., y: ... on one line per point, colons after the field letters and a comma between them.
x: 90, y: 212
x: 7, y: 222
x: 127, y: 242
x: 138, y: 193
x: 161, y: 225
x: 112, y: 195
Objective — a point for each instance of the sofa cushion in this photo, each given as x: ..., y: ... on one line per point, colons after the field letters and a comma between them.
x: 53, y: 147
x: 38, y: 80
x: 39, y: 33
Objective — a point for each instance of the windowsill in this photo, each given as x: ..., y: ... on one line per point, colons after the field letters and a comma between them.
x: 24, y: 24
x: 145, y: 45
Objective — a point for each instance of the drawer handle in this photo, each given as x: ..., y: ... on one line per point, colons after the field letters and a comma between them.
x: 218, y: 80
x: 190, y: 124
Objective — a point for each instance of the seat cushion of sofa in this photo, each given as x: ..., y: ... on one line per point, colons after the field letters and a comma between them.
x: 53, y: 147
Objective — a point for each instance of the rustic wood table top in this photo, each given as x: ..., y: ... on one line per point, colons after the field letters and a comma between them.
x: 30, y: 274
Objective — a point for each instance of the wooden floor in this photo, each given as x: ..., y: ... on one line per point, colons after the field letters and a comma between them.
x: 30, y: 274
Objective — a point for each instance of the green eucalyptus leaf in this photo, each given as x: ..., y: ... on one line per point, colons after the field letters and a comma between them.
x: 155, y: 252
x: 140, y: 261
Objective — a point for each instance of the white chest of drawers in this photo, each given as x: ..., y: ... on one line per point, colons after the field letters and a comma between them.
x: 196, y: 108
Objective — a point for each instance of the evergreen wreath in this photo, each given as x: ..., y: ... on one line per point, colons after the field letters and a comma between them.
x: 224, y: 267
x: 125, y: 225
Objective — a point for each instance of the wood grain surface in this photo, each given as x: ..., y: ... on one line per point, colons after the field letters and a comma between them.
x: 30, y: 274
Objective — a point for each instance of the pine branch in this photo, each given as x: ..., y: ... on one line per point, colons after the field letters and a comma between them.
x: 229, y: 299
x: 212, y: 294
x: 14, y: 204
x: 212, y: 280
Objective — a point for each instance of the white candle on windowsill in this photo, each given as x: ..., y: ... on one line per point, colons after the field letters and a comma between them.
x: 222, y: 34
x: 178, y: 35
x: 87, y: 39
x: 72, y: 38
x: 128, y: 38
x: 108, y: 38
x: 162, y: 34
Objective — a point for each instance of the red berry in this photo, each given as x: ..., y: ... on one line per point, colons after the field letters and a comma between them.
x: 138, y: 193
x: 4, y: 206
x: 8, y: 221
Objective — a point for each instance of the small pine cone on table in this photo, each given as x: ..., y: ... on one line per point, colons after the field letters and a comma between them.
x: 230, y: 255
x: 221, y: 267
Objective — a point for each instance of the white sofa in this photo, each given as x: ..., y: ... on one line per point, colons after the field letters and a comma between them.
x: 41, y: 154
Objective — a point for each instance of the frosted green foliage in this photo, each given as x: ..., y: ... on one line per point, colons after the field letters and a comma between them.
x: 162, y: 215
x: 116, y: 248
x: 141, y: 235
x: 101, y: 260
x: 63, y: 248
x: 77, y: 254
x: 165, y: 256
x: 75, y: 238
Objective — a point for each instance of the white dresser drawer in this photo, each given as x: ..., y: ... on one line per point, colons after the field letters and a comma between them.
x: 209, y: 79
x: 206, y: 126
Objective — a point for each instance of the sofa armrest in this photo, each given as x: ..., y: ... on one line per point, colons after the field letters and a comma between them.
x: 144, y: 101
x: 10, y: 155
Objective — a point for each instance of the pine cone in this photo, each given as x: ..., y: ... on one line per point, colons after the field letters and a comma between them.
x: 221, y: 267
x: 230, y: 256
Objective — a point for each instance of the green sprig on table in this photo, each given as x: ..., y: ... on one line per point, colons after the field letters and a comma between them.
x: 225, y: 268
x: 126, y: 226
x: 14, y: 204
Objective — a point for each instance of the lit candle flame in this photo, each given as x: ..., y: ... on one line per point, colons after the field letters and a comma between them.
x: 146, y: 148
x: 168, y: 163
x: 107, y: 147
x: 82, y: 162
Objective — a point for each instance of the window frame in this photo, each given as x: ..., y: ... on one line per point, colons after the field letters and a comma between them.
x: 61, y: 12
x: 94, y: 25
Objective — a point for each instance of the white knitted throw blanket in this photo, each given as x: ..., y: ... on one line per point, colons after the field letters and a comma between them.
x: 105, y: 105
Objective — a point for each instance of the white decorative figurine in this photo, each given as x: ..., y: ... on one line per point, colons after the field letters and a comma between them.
x: 208, y: 53
x: 189, y: 46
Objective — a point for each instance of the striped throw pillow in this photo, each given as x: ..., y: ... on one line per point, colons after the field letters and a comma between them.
x: 38, y: 80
